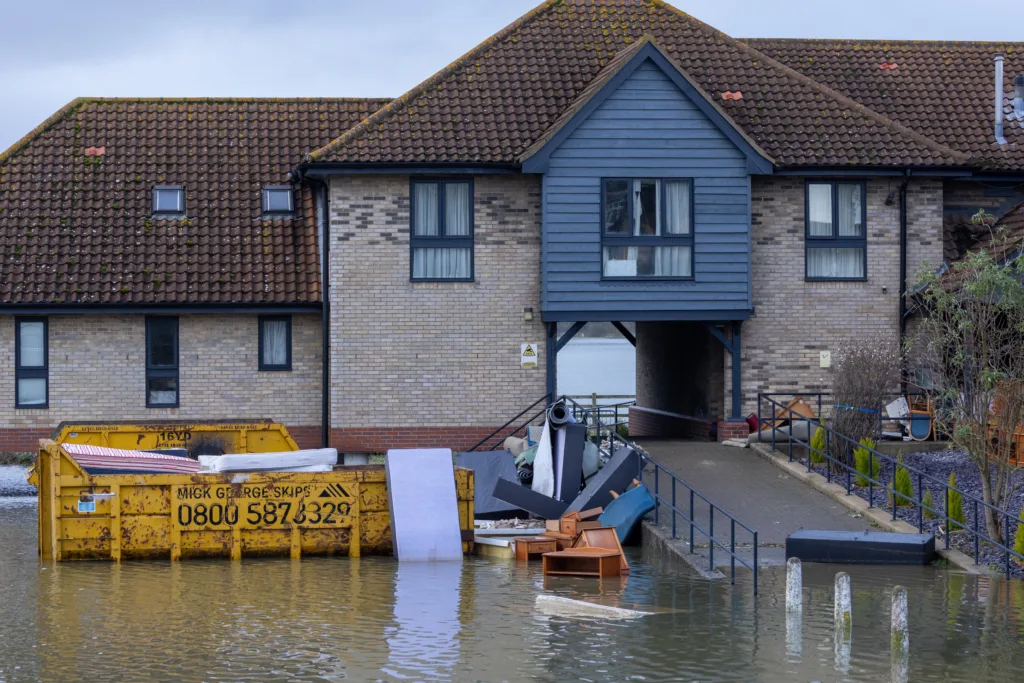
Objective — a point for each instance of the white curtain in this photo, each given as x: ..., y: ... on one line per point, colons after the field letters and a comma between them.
x: 677, y: 207
x: 849, y: 210
x: 831, y: 262
x: 32, y: 344
x: 456, y: 210
x: 647, y: 222
x: 440, y: 264
x: 275, y: 342
x: 672, y: 261
x: 163, y: 390
x: 425, y: 199
x: 819, y: 200
x: 31, y: 391
x: 621, y: 261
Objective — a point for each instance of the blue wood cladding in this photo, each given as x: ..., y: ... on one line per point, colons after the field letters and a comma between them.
x: 646, y: 128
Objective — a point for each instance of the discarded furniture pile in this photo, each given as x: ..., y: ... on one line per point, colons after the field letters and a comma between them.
x: 557, y: 474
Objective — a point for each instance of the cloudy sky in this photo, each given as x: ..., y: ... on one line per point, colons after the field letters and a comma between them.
x: 56, y: 50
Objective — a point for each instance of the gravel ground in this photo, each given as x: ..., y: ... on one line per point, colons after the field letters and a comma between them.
x: 939, y: 464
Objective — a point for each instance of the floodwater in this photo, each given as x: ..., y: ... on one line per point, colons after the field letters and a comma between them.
x: 597, y: 366
x: 372, y: 619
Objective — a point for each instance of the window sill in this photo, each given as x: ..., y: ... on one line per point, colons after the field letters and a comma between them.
x: 647, y: 279
x: 275, y: 368
x: 416, y: 283
x: 169, y: 216
x: 33, y: 407
x: 835, y: 279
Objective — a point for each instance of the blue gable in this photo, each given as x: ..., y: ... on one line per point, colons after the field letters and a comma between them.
x: 644, y: 125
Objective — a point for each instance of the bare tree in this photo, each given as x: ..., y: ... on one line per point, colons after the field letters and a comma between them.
x: 865, y: 377
x: 969, y: 350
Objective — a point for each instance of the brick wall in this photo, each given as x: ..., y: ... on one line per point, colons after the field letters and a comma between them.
x: 795, y: 320
x: 97, y: 372
x: 430, y: 355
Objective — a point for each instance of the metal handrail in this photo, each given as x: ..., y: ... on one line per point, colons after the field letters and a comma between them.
x: 690, y: 520
x: 921, y: 477
x: 542, y: 399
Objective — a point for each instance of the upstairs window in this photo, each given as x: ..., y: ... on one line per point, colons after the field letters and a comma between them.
x: 275, y: 342
x: 277, y: 200
x: 647, y: 229
x: 442, y: 230
x: 161, y: 362
x: 168, y: 200
x: 836, y: 232
x: 31, y: 363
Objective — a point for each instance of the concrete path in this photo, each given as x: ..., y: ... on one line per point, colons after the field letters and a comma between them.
x: 755, y: 492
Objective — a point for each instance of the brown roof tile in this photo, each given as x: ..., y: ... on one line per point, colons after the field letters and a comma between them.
x: 498, y: 99
x: 76, y: 223
x: 941, y: 89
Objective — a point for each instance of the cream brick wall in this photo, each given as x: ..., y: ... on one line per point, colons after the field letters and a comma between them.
x: 432, y: 354
x: 97, y: 371
x: 795, y: 320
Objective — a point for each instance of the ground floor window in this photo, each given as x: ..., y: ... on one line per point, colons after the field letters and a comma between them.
x: 275, y: 342
x: 835, y: 234
x: 31, y: 363
x: 161, y: 362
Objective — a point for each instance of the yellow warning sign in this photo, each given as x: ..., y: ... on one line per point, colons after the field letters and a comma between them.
x: 528, y: 355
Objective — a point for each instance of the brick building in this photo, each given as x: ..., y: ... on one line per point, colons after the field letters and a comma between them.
x: 366, y: 270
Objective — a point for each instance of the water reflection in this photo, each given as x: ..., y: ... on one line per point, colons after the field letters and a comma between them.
x: 423, y: 643
x: 371, y: 619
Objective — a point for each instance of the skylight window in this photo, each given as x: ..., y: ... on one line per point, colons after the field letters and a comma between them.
x: 168, y: 200
x: 277, y: 200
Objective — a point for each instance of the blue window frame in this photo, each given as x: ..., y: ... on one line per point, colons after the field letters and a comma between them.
x: 441, y: 230
x: 31, y: 362
x: 275, y: 342
x: 647, y: 228
x: 161, y: 362
x: 835, y: 232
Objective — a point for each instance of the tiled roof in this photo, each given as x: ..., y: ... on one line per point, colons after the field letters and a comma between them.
x: 494, y: 102
x: 76, y: 223
x: 943, y: 90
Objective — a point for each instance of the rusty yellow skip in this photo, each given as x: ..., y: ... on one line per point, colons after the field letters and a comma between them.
x: 86, y: 516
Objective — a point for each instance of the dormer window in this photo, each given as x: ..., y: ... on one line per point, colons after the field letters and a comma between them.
x: 168, y: 200
x: 277, y: 200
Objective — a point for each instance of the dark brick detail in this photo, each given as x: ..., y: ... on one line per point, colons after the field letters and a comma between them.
x: 732, y: 430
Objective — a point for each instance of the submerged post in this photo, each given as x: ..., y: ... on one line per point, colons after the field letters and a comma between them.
x: 794, y: 585
x: 843, y: 622
x: 794, y: 605
x: 843, y: 610
x: 900, y: 640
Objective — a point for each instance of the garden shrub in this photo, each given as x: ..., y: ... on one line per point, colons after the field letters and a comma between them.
x: 818, y: 442
x: 865, y: 462
x: 927, y: 503
x: 903, y: 486
x: 956, y: 506
x: 1018, y: 542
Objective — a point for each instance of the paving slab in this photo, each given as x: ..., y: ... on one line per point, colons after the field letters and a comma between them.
x: 739, y: 482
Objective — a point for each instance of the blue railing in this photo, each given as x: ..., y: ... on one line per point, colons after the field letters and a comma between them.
x: 846, y: 468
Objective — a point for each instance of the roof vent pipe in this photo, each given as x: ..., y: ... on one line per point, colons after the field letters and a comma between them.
x: 999, y: 101
x: 1018, y: 97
